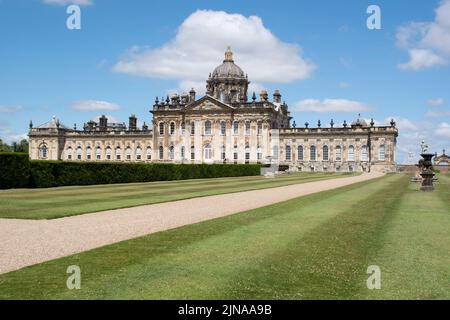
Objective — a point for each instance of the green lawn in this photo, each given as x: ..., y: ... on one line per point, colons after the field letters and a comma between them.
x: 317, y: 246
x: 67, y: 201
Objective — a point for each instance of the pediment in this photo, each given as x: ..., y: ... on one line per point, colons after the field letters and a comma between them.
x: 208, y: 103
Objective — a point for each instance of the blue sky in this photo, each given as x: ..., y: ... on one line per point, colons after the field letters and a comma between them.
x: 320, y: 54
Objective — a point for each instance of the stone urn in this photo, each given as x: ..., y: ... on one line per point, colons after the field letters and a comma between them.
x: 427, y: 174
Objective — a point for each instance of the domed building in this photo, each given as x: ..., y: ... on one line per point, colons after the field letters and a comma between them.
x: 223, y: 126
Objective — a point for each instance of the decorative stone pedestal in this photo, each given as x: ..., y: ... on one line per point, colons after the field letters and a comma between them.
x: 427, y: 174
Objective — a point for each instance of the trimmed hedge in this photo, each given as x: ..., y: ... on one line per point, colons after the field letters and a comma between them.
x: 14, y: 170
x: 44, y: 174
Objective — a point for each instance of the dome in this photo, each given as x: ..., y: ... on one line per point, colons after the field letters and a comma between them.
x: 228, y: 69
x: 359, y: 122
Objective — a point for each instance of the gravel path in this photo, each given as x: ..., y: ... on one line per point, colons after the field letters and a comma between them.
x: 27, y: 242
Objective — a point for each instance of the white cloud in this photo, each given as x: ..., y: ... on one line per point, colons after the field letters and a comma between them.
x: 67, y: 2
x: 438, y: 114
x: 403, y: 124
x: 330, y: 105
x: 436, y: 102
x: 200, y: 43
x: 344, y: 85
x: 443, y: 130
x: 93, y: 105
x: 428, y: 43
x: 10, y: 109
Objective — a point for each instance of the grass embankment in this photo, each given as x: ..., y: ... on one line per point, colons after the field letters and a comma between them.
x: 313, y: 247
x: 68, y: 201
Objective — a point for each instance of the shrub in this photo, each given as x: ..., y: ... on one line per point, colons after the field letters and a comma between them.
x: 14, y: 170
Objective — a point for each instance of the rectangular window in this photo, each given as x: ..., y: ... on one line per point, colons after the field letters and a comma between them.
x: 192, y: 127
x: 259, y: 127
x: 223, y: 128
x: 235, y: 127
x: 247, y: 128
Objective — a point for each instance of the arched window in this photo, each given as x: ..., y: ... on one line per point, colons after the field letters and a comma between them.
x: 300, y: 153
x: 312, y: 153
x: 149, y: 153
x: 208, y: 152
x: 351, y: 153
x: 259, y: 125
x: 118, y: 153
x: 161, y: 152
x: 247, y: 128
x: 207, y: 127
x: 338, y: 152
x: 138, y: 153
x: 79, y: 152
x: 108, y: 153
x: 161, y: 128
x: 69, y: 153
x: 193, y: 127
x: 128, y: 153
x: 223, y: 128
x: 192, y: 153
x: 247, y: 153
x: 382, y: 153
x: 43, y: 152
x: 98, y: 153
x: 182, y: 152
x: 88, y: 153
x: 288, y: 153
x: 235, y: 127
x: 172, y: 128
x: 222, y: 152
x: 325, y: 155
x: 364, y: 153
x: 171, y: 153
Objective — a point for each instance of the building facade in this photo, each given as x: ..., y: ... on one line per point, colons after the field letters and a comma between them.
x: 223, y: 126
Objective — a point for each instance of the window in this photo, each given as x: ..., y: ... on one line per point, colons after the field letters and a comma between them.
x: 138, y: 153
x: 247, y: 153
x: 351, y: 153
x: 338, y: 153
x: 235, y: 153
x: 98, y: 153
x: 43, y: 152
x: 364, y: 153
x: 235, y: 127
x: 222, y: 152
x: 223, y: 128
x: 171, y: 153
x: 382, y: 153
x: 192, y: 153
x: 149, y: 153
x: 207, y: 127
x: 172, y: 128
x: 118, y: 153
x: 79, y: 151
x: 300, y: 153
x: 312, y: 153
x: 259, y: 153
x: 192, y: 127
x: 259, y: 127
x: 128, y: 153
x: 161, y: 152
x: 108, y: 153
x: 288, y: 153
x: 325, y: 155
x: 208, y: 152
x: 182, y: 152
x: 247, y: 128
x: 183, y: 128
x: 69, y: 153
x: 161, y: 128
x: 88, y: 153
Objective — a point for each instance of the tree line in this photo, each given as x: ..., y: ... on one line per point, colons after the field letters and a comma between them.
x: 21, y: 146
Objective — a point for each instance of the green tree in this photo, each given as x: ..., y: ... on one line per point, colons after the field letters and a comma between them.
x: 4, y: 147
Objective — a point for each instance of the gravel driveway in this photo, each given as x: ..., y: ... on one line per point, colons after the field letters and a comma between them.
x: 27, y: 242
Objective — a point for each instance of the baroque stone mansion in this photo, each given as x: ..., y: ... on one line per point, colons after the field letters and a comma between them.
x: 223, y: 126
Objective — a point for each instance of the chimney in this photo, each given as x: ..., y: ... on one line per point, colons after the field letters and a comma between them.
x: 103, y: 123
x: 277, y: 96
x: 192, y: 95
x: 132, y: 121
